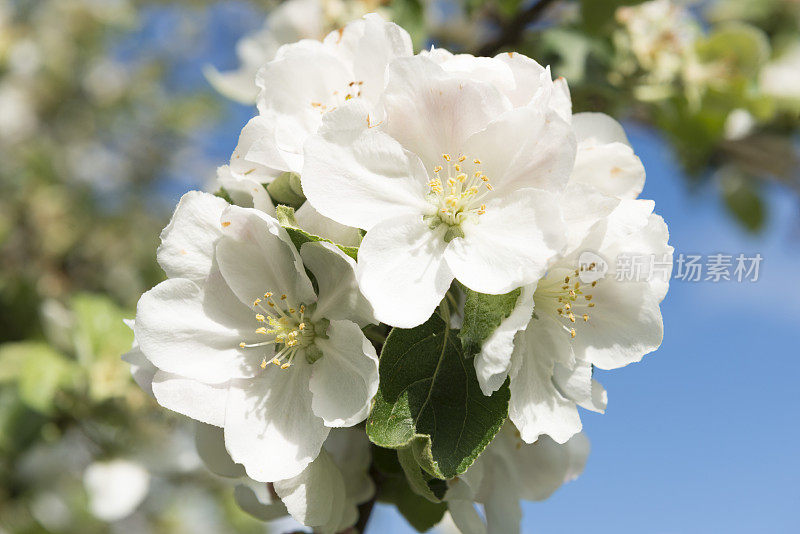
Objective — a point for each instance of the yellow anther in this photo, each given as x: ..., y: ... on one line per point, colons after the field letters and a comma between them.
x: 457, y: 167
x: 572, y: 317
x: 446, y: 157
x: 261, y: 330
x: 587, y: 297
x: 591, y: 304
x: 566, y: 279
x: 462, y: 158
x: 286, y: 365
x: 283, y: 297
x: 438, y: 168
x: 302, y: 326
x: 242, y: 345
x: 256, y: 302
x: 585, y: 317
x: 572, y: 332
x: 267, y: 295
x: 260, y: 318
x: 476, y: 161
x: 264, y: 363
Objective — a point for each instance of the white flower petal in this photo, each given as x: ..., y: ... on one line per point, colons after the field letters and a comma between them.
x: 255, y: 255
x: 142, y: 369
x: 248, y: 499
x: 466, y: 517
x: 359, y: 176
x: 315, y: 223
x: 494, y: 360
x: 199, y: 401
x: 210, y: 443
x: 294, y: 87
x: 244, y: 191
x: 350, y: 450
x: 598, y: 128
x: 339, y: 294
x: 369, y: 45
x: 612, y: 168
x: 250, y: 159
x: 546, y: 465
x: 345, y: 379
x: 511, y: 245
x: 524, y: 147
x: 402, y: 272
x: 269, y: 426
x: 624, y: 326
x: 430, y: 111
x: 536, y: 406
x: 583, y: 206
x: 315, y: 497
x: 187, y: 242
x: 503, y: 512
x: 195, y: 332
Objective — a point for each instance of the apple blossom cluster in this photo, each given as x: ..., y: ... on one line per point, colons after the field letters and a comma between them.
x: 386, y: 298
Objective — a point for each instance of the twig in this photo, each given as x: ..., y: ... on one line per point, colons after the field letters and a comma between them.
x: 513, y: 30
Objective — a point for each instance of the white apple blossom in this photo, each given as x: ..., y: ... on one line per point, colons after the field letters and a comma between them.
x: 780, y: 78
x: 582, y: 317
x: 288, y: 22
x: 237, y: 300
x: 508, y: 471
x: 441, y: 186
x: 324, y: 496
x: 309, y: 78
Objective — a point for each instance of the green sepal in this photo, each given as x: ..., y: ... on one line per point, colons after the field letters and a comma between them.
x: 286, y: 189
x: 299, y: 236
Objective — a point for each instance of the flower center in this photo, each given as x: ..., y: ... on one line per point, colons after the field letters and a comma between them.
x: 458, y: 189
x: 287, y: 327
x: 568, y: 298
x: 339, y: 97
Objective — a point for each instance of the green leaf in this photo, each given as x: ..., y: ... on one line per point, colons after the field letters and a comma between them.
x: 40, y: 372
x: 743, y: 200
x: 482, y: 315
x: 299, y: 236
x: 421, y: 513
x: 286, y: 189
x: 429, y: 399
x: 421, y: 482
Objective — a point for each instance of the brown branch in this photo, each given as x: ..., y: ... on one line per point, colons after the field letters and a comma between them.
x: 512, y: 31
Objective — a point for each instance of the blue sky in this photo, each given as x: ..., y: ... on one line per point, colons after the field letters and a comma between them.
x: 701, y: 436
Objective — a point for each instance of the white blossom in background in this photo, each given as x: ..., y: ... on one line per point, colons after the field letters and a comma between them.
x: 244, y: 342
x: 780, y: 78
x: 308, y: 79
x: 661, y: 35
x: 115, y: 488
x: 510, y: 470
x: 288, y: 22
x: 440, y: 186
